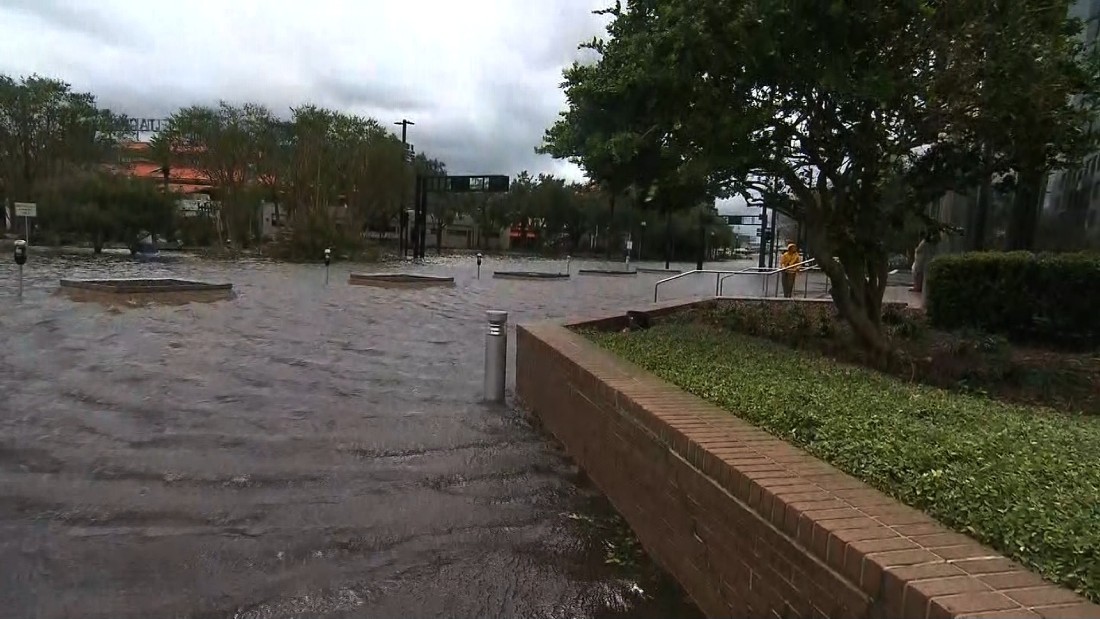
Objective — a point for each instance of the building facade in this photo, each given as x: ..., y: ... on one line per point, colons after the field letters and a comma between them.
x: 1073, y: 196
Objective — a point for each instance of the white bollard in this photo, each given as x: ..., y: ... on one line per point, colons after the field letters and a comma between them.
x: 496, y: 355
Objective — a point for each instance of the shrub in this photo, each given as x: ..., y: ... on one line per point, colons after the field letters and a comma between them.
x: 1051, y: 298
x: 1019, y: 478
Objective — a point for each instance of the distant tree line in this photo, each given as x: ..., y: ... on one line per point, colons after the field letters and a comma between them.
x: 333, y: 178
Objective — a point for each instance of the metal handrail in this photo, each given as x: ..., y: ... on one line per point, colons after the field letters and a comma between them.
x: 809, y: 264
x: 686, y: 273
x: 749, y: 271
x: 805, y: 280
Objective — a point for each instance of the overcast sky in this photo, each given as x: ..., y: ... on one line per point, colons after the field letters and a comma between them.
x: 480, y: 78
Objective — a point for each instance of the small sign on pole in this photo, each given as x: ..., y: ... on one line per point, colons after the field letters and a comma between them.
x: 26, y: 210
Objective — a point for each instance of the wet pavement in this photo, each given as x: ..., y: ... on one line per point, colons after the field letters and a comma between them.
x: 301, y: 450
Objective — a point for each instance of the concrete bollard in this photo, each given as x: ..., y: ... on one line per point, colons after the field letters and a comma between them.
x: 496, y: 355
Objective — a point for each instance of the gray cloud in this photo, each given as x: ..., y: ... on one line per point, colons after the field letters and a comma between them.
x: 76, y: 19
x: 479, y: 78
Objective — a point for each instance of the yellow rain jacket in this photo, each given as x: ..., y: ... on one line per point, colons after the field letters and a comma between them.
x: 790, y: 257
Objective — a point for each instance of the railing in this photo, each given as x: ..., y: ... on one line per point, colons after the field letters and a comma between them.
x: 805, y: 265
x: 721, y: 276
x: 717, y: 280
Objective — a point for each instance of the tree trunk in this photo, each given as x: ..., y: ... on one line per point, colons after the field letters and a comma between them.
x: 975, y: 235
x: 1025, y: 213
x: 702, y: 245
x: 97, y: 242
x: 668, y: 238
x: 439, y: 239
x: 857, y: 285
x: 610, y: 224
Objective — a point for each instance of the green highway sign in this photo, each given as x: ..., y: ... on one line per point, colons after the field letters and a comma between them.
x: 494, y: 183
x: 743, y: 220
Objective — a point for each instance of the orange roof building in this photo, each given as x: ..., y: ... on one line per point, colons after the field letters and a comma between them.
x: 138, y: 163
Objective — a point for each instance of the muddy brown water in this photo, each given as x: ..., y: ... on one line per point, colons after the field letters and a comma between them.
x: 300, y: 450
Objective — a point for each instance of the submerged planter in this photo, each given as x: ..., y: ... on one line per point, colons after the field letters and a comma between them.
x: 650, y: 270
x: 144, y: 290
x: 535, y: 275
x: 399, y: 280
x: 607, y: 272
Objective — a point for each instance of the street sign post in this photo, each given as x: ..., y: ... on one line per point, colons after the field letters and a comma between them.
x: 26, y: 210
x: 493, y: 183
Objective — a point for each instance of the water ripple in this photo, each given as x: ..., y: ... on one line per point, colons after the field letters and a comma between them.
x: 299, y: 450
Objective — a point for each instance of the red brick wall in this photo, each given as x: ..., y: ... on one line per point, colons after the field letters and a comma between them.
x: 749, y: 525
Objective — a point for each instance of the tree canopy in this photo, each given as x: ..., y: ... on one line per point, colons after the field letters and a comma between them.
x: 849, y: 116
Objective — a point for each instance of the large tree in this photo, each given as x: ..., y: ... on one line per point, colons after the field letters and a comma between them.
x: 1035, y: 102
x: 47, y: 129
x: 223, y: 143
x: 852, y: 109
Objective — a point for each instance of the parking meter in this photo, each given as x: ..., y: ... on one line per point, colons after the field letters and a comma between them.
x: 20, y: 256
x: 328, y: 256
x: 479, y: 265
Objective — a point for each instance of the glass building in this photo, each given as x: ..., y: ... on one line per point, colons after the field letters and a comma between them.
x: 1073, y: 196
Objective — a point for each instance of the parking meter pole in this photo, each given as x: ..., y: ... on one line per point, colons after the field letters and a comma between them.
x: 328, y: 259
x: 20, y: 257
x: 479, y: 265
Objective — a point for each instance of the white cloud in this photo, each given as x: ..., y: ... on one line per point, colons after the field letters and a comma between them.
x: 480, y: 78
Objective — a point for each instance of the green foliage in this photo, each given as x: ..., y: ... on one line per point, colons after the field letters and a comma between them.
x: 333, y: 175
x: 48, y: 129
x: 1021, y: 479
x: 100, y: 206
x: 1051, y: 298
x: 850, y: 117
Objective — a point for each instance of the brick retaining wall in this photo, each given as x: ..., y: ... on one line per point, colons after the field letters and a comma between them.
x: 749, y: 525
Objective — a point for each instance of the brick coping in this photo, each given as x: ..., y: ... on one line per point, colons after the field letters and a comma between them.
x: 909, y: 564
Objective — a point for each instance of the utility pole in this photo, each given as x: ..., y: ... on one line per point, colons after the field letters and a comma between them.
x: 403, y: 216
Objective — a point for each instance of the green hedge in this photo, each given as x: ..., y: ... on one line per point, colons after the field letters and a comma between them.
x: 1053, y: 297
x: 1021, y: 479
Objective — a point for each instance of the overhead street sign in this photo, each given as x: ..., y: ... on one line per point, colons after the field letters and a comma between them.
x: 494, y: 183
x: 743, y: 220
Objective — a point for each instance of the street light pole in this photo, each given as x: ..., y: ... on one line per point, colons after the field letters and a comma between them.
x: 641, y: 241
x: 403, y: 217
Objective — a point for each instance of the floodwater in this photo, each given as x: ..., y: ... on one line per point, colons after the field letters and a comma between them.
x: 301, y: 450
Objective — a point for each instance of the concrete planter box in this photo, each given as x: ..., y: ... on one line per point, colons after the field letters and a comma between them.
x: 532, y: 275
x: 399, y: 280
x: 145, y: 290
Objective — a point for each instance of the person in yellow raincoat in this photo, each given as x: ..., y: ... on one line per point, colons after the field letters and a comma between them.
x: 789, y: 258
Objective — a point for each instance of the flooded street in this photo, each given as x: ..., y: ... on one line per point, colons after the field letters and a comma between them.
x: 297, y: 451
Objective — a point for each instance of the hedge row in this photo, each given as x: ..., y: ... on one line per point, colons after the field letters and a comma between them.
x: 1021, y: 479
x: 1053, y: 298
